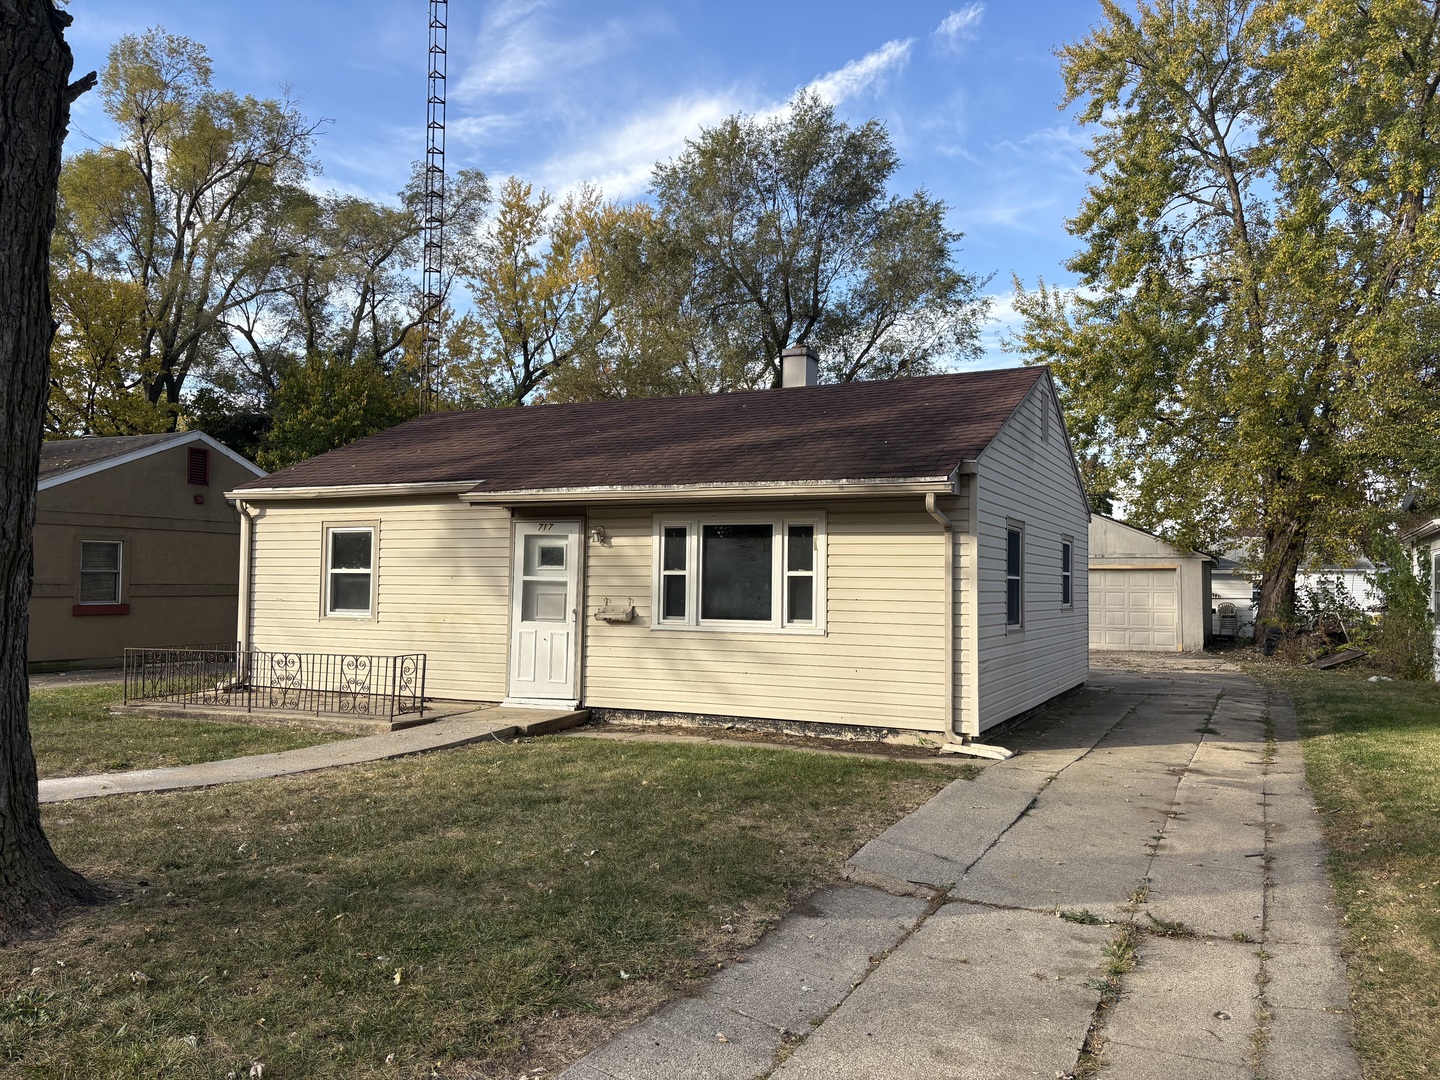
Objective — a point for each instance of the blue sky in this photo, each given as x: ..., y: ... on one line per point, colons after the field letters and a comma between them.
x: 562, y: 92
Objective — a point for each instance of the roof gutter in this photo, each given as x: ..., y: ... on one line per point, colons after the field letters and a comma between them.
x: 351, y: 491
x: 790, y: 489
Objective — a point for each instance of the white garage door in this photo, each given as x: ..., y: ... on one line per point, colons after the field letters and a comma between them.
x: 1134, y: 609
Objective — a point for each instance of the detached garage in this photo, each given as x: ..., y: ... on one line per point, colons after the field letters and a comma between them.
x: 1146, y: 595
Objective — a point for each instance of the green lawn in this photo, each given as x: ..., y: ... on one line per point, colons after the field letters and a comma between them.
x: 74, y: 734
x: 1372, y: 756
x: 474, y: 912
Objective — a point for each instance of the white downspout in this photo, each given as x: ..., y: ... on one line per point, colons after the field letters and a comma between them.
x: 247, y: 545
x: 956, y: 743
x: 948, y: 528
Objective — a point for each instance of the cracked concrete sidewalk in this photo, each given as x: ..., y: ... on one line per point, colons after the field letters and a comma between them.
x: 976, y: 938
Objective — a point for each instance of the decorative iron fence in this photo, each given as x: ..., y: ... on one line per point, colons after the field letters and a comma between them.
x: 347, y: 684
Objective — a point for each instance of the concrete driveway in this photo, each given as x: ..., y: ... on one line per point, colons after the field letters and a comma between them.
x: 1139, y: 893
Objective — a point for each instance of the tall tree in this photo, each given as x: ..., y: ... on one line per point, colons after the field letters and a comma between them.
x: 35, y: 97
x: 794, y: 239
x: 185, y: 204
x: 1257, y: 264
x: 538, y: 301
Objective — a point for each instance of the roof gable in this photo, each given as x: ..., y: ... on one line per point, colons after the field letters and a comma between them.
x: 902, y: 429
x: 64, y: 460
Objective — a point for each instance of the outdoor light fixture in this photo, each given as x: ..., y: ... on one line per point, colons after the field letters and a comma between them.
x: 597, y: 534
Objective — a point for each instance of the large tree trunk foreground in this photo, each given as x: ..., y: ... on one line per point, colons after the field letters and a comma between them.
x: 35, y: 98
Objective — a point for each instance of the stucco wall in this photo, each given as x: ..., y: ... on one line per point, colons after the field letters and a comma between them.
x: 180, y: 559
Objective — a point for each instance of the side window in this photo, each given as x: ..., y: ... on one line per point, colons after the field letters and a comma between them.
x: 349, y: 570
x: 1435, y: 582
x: 1067, y: 572
x: 100, y: 562
x: 1014, y: 577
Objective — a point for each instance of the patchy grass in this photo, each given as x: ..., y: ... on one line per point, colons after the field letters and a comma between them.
x: 475, y: 912
x: 74, y: 734
x: 1372, y: 756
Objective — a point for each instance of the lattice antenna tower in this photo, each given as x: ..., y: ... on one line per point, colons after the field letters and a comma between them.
x: 433, y: 236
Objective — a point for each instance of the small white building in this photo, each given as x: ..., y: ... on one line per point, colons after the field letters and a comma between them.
x: 902, y: 555
x: 1146, y: 594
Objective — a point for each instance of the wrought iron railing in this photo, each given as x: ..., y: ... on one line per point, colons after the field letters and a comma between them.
x: 347, y: 684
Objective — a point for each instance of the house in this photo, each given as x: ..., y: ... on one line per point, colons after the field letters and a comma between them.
x: 1146, y: 594
x: 1423, y: 543
x: 1233, y: 593
x: 897, y: 556
x: 135, y: 546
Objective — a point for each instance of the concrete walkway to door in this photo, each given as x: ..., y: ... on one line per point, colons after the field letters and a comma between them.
x: 1140, y: 892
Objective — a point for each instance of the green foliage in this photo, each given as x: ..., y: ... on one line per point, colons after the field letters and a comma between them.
x: 1403, y: 643
x: 327, y: 401
x: 178, y: 211
x: 194, y: 246
x: 1251, y: 348
x: 539, y: 302
x: 787, y: 235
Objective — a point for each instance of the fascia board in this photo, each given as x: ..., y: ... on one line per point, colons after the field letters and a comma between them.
x: 184, y: 438
x: 350, y: 491
x: 939, y: 485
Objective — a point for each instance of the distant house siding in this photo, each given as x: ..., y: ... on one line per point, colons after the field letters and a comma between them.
x: 179, y: 559
x: 441, y: 587
x: 880, y: 663
x: 1024, y: 477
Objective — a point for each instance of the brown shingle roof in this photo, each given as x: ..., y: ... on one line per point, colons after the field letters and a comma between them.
x: 901, y: 429
x: 58, y: 456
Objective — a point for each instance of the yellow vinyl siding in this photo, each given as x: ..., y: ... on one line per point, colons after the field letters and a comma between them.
x: 879, y: 663
x: 1023, y: 478
x: 441, y: 588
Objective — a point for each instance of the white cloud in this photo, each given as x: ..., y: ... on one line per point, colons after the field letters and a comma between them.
x: 861, y: 75
x: 520, y: 48
x: 619, y: 160
x: 959, y: 26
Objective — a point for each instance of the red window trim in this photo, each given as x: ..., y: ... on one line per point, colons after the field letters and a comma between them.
x: 100, y: 609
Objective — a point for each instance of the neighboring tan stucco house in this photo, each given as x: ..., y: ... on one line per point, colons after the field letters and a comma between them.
x: 135, y: 546
x: 906, y: 555
x: 1146, y: 594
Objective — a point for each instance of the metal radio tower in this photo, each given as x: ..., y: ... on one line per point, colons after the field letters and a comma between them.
x: 433, y: 236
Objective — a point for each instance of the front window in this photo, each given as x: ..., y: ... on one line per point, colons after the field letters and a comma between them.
x: 740, y: 573
x: 100, y: 571
x: 350, y: 571
x: 1014, y: 564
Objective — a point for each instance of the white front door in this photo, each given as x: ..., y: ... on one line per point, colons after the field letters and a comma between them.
x: 544, y: 610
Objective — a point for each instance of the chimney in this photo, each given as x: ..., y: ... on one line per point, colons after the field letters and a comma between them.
x: 799, y: 366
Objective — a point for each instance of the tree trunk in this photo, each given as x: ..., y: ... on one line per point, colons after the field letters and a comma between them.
x: 34, y: 112
x: 1283, y: 546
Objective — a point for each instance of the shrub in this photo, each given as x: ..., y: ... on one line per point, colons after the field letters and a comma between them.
x: 1403, y: 643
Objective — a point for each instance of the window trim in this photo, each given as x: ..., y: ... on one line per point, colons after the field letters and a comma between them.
x: 1067, y: 574
x: 1018, y: 528
x: 1435, y: 581
x: 119, y: 572
x: 780, y: 524
x: 328, y: 531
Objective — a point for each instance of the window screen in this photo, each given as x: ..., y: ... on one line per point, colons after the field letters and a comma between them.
x: 100, y: 571
x: 735, y: 572
x: 351, y: 571
x: 1012, y: 577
